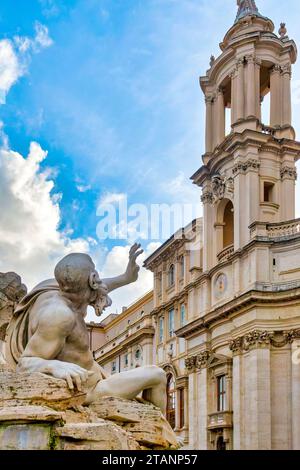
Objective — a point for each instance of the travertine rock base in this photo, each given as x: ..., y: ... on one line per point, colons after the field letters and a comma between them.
x: 143, y: 420
x: 38, y: 412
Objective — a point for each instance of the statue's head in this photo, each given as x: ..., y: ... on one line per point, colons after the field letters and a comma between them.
x: 76, y: 274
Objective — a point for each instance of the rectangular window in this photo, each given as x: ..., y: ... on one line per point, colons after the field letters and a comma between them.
x: 114, y: 367
x: 268, y: 192
x: 126, y: 360
x: 161, y: 329
x: 172, y: 323
x: 181, y: 408
x: 182, y: 315
x: 221, y: 393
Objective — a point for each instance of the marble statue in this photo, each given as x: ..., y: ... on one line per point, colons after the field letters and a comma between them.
x: 48, y: 334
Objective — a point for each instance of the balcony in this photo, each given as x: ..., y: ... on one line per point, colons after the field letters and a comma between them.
x: 221, y: 419
x: 281, y: 230
x: 226, y: 253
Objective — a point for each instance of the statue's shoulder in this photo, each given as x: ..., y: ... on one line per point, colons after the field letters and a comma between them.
x: 50, y: 309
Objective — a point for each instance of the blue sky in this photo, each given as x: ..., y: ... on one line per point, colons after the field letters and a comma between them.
x: 114, y: 99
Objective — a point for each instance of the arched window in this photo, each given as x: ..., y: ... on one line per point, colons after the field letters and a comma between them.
x: 228, y: 232
x: 172, y: 275
x: 171, y: 400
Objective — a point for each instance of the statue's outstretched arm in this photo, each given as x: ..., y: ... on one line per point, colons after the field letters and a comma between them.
x: 46, y: 343
x: 131, y: 273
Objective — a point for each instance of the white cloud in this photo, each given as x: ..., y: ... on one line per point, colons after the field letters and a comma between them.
x: 30, y: 240
x: 10, y: 68
x: 14, y: 57
x: 111, y: 198
x: 42, y: 38
x: 83, y: 188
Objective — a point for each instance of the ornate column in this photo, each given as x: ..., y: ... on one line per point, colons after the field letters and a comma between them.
x: 286, y: 95
x: 207, y: 201
x: 233, y: 76
x: 296, y: 394
x: 164, y: 282
x: 209, y: 129
x: 251, y: 87
x: 237, y: 396
x: 240, y: 104
x: 190, y: 364
x: 253, y: 373
x: 220, y: 117
x: 288, y: 175
x: 257, y: 92
x: 275, y: 79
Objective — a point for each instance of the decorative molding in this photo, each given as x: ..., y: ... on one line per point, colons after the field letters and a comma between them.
x: 288, y: 172
x: 276, y: 69
x: 251, y: 59
x: 190, y: 363
x: 209, y: 99
x: 207, y: 197
x: 287, y: 69
x: 206, y: 359
x: 263, y: 339
x: 242, y: 167
x: 202, y: 359
x: 218, y: 185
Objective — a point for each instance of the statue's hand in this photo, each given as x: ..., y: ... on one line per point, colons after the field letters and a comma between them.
x: 132, y: 271
x: 72, y: 373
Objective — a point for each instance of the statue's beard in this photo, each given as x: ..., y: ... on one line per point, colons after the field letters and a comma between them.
x: 101, y: 302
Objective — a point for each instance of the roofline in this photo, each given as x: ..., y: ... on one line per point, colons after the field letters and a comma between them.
x: 169, y: 241
x: 134, y: 306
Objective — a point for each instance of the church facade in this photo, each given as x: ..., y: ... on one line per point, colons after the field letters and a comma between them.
x: 226, y: 307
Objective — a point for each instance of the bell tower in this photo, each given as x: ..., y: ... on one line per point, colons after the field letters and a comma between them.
x: 248, y: 173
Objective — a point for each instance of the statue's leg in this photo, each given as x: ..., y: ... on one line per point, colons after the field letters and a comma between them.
x: 129, y: 384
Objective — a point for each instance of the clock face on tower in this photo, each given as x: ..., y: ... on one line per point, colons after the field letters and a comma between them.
x: 220, y: 285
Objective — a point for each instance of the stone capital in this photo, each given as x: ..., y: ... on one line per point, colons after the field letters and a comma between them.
x: 276, y: 69
x: 287, y: 172
x: 287, y: 69
x: 263, y: 339
x: 243, y: 167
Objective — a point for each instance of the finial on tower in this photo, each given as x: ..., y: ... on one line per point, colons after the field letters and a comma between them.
x: 246, y: 7
x: 282, y: 31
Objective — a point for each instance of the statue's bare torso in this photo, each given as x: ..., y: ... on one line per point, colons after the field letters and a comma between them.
x: 76, y: 347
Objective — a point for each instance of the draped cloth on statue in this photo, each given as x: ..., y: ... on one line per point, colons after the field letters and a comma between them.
x: 17, y: 334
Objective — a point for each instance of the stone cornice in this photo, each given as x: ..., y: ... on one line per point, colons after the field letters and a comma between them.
x: 229, y: 309
x: 264, y: 142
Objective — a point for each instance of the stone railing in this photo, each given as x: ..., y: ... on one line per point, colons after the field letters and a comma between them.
x: 226, y: 253
x: 222, y: 419
x: 284, y: 229
x: 274, y: 231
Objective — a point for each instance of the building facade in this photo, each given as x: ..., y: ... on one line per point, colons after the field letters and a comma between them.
x: 123, y: 342
x: 226, y: 304
x: 244, y: 385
